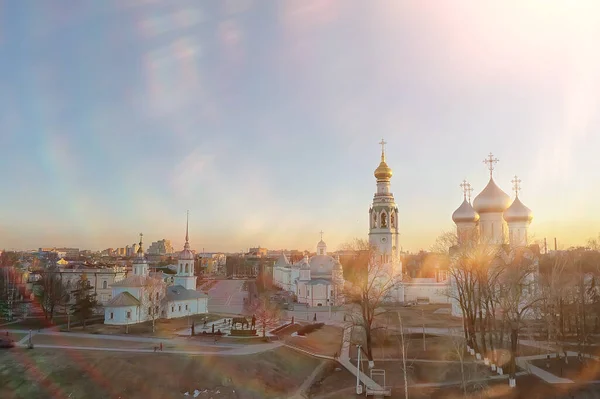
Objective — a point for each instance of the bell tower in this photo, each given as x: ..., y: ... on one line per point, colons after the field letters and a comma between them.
x: 383, y: 219
x: 185, y: 265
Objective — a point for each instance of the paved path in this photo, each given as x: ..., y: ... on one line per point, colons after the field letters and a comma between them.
x: 241, y: 351
x: 344, y: 360
x: 227, y: 296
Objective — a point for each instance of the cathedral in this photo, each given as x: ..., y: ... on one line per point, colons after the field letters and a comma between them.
x: 493, y: 217
x: 145, y: 296
x: 316, y: 281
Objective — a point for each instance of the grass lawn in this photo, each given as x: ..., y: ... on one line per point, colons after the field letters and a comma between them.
x: 436, y: 347
x: 414, y: 316
x: 325, y: 341
x: 35, y: 323
x: 165, y: 328
x: 41, y: 373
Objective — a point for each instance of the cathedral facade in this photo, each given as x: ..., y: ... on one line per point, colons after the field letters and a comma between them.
x: 316, y: 281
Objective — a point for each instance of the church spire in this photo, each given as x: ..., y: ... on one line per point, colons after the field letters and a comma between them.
x: 140, y: 250
x: 187, y: 228
x: 382, y: 143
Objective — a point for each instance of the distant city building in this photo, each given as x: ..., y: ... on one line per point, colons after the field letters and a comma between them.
x: 212, y: 263
x: 161, y: 247
x: 69, y: 253
x: 258, y: 251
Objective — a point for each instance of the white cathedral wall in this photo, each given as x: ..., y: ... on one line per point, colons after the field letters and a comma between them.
x: 517, y: 234
x: 434, y: 292
x: 177, y: 309
x: 119, y: 315
x: 492, y: 228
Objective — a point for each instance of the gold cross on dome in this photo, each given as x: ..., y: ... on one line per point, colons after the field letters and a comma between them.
x: 516, y: 185
x: 321, y: 232
x: 382, y: 143
x: 465, y: 187
x: 490, y: 161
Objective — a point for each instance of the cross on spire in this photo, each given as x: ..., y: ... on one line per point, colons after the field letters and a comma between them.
x: 467, y: 189
x: 382, y: 143
x: 187, y: 226
x: 490, y: 161
x: 141, y: 235
x: 321, y: 232
x: 516, y: 185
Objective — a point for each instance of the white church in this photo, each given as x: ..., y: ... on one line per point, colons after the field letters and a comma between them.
x: 144, y: 295
x: 316, y: 281
x: 493, y: 218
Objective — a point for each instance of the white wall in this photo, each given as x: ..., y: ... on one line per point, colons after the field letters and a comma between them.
x: 176, y: 309
x: 436, y: 292
x: 119, y: 315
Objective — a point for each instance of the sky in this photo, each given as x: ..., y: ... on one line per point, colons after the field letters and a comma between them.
x: 262, y: 118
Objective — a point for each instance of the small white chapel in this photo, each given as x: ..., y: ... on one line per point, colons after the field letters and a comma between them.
x: 144, y: 295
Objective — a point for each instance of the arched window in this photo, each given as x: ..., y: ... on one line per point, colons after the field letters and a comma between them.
x: 187, y: 268
x: 393, y: 220
x: 157, y: 296
x: 374, y: 219
x: 383, y: 220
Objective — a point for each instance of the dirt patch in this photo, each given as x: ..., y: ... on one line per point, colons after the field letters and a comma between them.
x: 43, y: 374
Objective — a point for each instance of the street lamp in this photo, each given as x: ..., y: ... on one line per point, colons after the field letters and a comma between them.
x: 358, y: 385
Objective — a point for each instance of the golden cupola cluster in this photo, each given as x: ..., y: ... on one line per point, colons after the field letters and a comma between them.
x: 492, y: 199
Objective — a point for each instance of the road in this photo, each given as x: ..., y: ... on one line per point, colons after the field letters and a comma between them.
x: 227, y: 297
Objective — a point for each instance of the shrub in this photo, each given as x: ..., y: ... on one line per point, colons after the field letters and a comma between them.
x: 304, y: 330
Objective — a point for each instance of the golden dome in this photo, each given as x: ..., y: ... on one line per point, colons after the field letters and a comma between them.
x: 465, y: 213
x: 383, y: 171
x: 518, y: 212
x: 492, y: 199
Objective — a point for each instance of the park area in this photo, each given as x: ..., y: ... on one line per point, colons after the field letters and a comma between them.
x: 164, y: 328
x: 42, y: 373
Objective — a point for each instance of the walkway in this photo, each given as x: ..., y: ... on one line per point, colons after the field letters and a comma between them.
x: 241, y: 351
x: 344, y: 360
x: 223, y: 349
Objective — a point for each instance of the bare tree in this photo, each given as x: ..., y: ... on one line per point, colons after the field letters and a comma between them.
x: 153, y: 292
x: 50, y: 292
x: 519, y: 296
x: 553, y: 286
x: 267, y: 314
x: 373, y: 285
